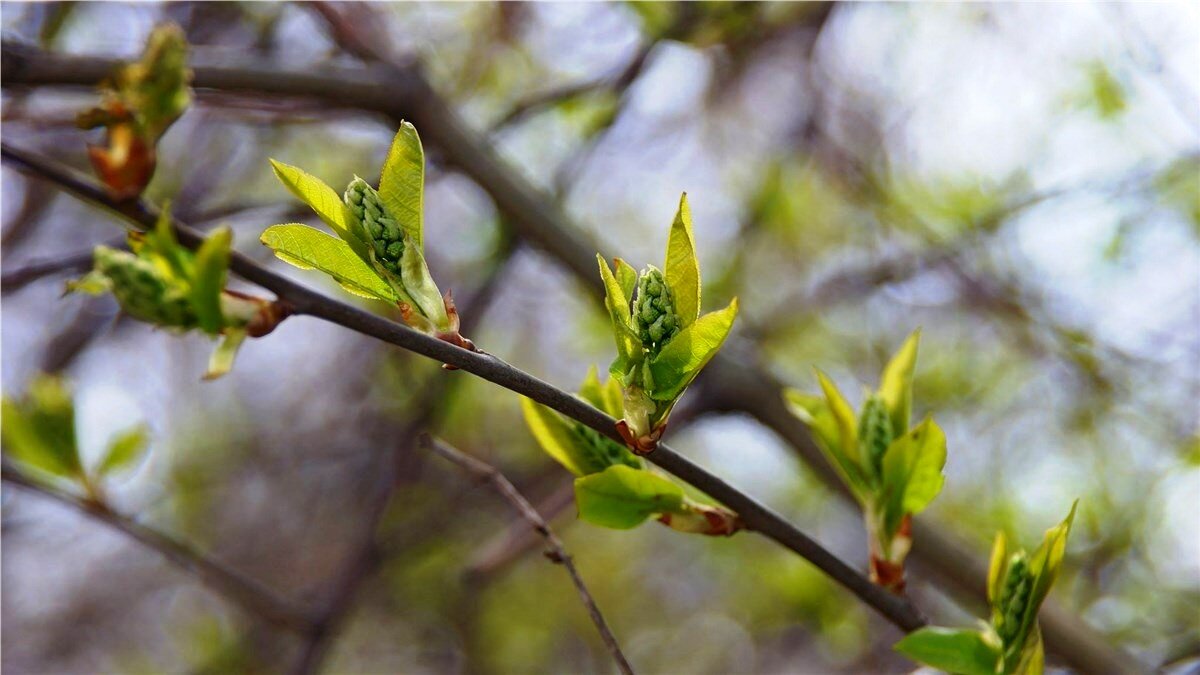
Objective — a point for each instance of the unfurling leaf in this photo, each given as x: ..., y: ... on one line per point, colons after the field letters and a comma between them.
x: 896, y: 384
x: 682, y: 359
x: 322, y: 200
x: 139, y: 102
x: 622, y: 497
x: 402, y: 182
x: 309, y: 248
x: 681, y: 267
x: 124, y: 450
x: 953, y: 650
x: 38, y: 429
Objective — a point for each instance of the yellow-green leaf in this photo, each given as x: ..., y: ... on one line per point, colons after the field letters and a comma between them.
x: 421, y: 288
x: 309, y: 248
x: 682, y: 359
x: 998, y: 566
x: 815, y: 411
x: 628, y: 345
x: 912, y: 472
x: 896, y: 384
x: 627, y: 277
x: 208, y: 280
x: 125, y: 449
x: 402, y: 183
x: 604, y: 396
x: 1044, y: 564
x: 322, y: 198
x: 953, y: 650
x: 681, y: 267
x: 622, y: 497
x: 221, y: 361
x: 38, y: 430
x: 843, y: 414
x: 554, y: 435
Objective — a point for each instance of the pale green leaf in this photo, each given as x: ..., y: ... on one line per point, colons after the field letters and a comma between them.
x: 844, y: 415
x: 912, y: 472
x: 39, y: 429
x: 309, y: 248
x: 555, y: 435
x: 622, y: 497
x: 815, y: 412
x: 896, y: 384
x: 322, y: 198
x: 604, y: 396
x: 420, y: 286
x: 682, y: 359
x: 629, y: 347
x: 681, y: 268
x: 208, y: 279
x: 998, y: 566
x: 1044, y: 564
x: 627, y: 277
x: 1032, y: 658
x: 953, y: 650
x: 124, y: 450
x: 221, y: 361
x: 402, y: 183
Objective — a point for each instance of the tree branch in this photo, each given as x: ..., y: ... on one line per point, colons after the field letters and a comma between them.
x: 489, y: 473
x: 756, y: 516
x: 251, y: 595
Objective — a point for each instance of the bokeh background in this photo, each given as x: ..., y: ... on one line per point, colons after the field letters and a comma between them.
x: 1022, y: 181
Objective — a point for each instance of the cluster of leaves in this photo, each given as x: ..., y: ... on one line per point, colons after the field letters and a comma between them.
x: 613, y: 488
x: 893, y: 470
x: 138, y: 103
x: 378, y: 252
x: 1011, y: 643
x: 662, y: 341
x: 39, y: 433
x: 161, y: 282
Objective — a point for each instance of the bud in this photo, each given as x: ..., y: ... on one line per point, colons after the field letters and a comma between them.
x: 604, y: 452
x: 144, y: 291
x: 654, y: 310
x: 1014, y: 598
x: 384, y: 234
x: 874, y: 432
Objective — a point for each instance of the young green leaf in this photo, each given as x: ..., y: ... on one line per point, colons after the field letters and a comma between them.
x: 309, y: 248
x: 628, y: 345
x: 627, y: 277
x: 953, y: 650
x: 815, y: 412
x: 221, y: 361
x: 402, y: 183
x: 896, y: 384
x: 1044, y: 563
x: 323, y: 200
x: 39, y: 429
x: 912, y: 471
x: 997, y: 567
x: 682, y: 359
x: 605, y: 397
x: 682, y: 268
x: 124, y: 450
x: 555, y: 435
x: 419, y: 284
x: 844, y: 415
x: 622, y: 497
x: 211, y: 269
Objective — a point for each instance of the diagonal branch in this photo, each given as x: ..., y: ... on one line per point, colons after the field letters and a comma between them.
x: 251, y: 595
x: 556, y: 553
x: 756, y: 516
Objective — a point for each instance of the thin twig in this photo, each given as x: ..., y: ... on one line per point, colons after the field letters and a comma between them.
x: 251, y: 595
x: 755, y: 515
x: 557, y: 553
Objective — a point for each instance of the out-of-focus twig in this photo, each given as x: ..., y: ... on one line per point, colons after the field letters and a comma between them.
x: 556, y: 553
x: 251, y: 595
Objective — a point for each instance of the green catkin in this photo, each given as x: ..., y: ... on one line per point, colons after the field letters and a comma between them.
x: 143, y: 291
x: 604, y: 452
x: 385, y: 234
x: 654, y: 310
x: 874, y: 432
x: 1014, y: 598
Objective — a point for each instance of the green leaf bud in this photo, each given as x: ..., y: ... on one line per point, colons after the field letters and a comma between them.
x: 874, y: 433
x: 386, y: 235
x: 144, y: 291
x: 655, y: 318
